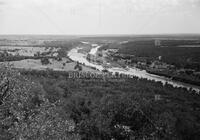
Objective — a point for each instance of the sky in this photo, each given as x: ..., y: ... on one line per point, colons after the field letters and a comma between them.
x: 93, y: 17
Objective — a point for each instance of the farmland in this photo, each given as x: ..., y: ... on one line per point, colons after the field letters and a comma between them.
x: 29, y: 53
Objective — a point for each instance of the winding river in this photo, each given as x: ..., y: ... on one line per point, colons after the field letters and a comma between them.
x: 75, y: 55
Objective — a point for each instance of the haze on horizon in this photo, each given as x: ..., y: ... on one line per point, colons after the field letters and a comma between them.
x: 88, y: 17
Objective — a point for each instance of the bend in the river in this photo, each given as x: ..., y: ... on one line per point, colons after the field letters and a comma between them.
x: 81, y: 58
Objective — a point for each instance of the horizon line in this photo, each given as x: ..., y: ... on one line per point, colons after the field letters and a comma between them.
x: 107, y: 35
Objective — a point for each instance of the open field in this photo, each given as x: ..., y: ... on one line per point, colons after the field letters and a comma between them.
x: 27, y: 53
x: 32, y: 64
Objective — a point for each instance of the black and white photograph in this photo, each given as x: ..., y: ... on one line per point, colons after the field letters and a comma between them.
x: 99, y: 69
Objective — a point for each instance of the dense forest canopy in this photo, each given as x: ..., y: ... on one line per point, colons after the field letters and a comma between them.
x: 49, y: 105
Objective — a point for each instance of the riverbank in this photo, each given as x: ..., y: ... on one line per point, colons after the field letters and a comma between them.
x: 76, y: 56
x: 176, y: 78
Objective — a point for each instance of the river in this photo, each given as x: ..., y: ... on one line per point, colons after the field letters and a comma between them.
x: 75, y: 55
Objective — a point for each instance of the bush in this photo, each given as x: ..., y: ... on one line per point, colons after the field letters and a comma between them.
x: 45, y: 61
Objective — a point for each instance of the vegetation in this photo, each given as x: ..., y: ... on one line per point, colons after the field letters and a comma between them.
x: 177, y: 59
x: 186, y: 57
x: 115, y: 109
x: 25, y: 113
x: 45, y: 61
x: 48, y: 105
x: 185, y: 77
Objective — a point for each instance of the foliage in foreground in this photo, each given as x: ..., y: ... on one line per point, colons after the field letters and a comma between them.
x: 37, y: 105
x: 124, y: 109
x: 26, y: 114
